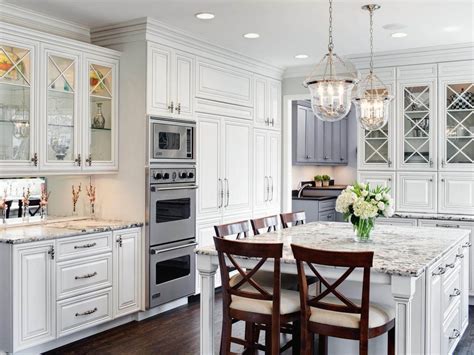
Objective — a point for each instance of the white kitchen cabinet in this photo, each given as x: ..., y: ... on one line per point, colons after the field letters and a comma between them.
x: 456, y: 193
x: 170, y: 82
x: 374, y: 178
x: 274, y: 104
x: 267, y: 152
x: 261, y: 102
x: 416, y: 192
x: 224, y: 166
x: 34, y: 294
x: 126, y: 272
x: 434, y: 289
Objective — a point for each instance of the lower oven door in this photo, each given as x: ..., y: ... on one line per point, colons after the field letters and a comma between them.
x: 172, y: 273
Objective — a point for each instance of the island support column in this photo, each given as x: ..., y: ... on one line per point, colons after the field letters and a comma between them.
x: 403, y: 289
x: 207, y: 270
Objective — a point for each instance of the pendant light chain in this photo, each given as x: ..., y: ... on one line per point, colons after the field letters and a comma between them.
x: 331, y: 44
x: 371, y: 10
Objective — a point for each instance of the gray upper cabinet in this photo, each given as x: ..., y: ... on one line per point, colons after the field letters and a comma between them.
x: 316, y: 142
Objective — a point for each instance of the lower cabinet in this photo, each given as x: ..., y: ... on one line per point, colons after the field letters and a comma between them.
x: 416, y: 192
x: 456, y: 193
x: 66, y: 285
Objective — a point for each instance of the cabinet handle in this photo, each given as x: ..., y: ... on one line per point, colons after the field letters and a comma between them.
x: 119, y: 241
x: 443, y: 163
x: 441, y: 271
x: 443, y: 180
x: 456, y: 293
x: 90, y: 245
x: 78, y: 160
x: 451, y: 265
x: 466, y: 245
x: 227, y: 192
x: 325, y: 157
x: 35, y: 159
x: 273, y: 122
x: 431, y: 180
x: 86, y: 313
x: 221, y: 193
x: 271, y: 189
x: 86, y: 276
x: 456, y: 334
x: 178, y: 108
x: 341, y: 158
x: 389, y: 162
x: 389, y: 179
x: 267, y: 121
x: 267, y: 188
x: 459, y: 256
x: 51, y: 252
x: 89, y: 160
x: 448, y: 225
x: 171, y: 107
x: 431, y: 163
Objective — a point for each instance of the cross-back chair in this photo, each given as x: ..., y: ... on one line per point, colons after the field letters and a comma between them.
x: 240, y: 229
x: 331, y: 313
x: 269, y: 223
x: 295, y: 218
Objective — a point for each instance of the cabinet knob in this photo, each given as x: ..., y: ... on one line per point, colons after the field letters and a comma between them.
x: 178, y: 108
x: 389, y: 162
x: 78, y: 160
x: 119, y: 241
x: 443, y: 163
x: 89, y: 160
x: 442, y: 180
x: 325, y: 157
x: 51, y: 252
x: 35, y: 159
x: 171, y: 107
x: 431, y: 163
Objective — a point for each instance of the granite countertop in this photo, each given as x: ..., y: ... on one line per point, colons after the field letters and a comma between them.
x: 331, y: 187
x: 398, y: 250
x: 60, y: 229
x: 315, y: 198
x: 446, y: 217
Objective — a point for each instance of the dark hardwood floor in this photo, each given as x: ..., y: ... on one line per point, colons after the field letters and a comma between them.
x: 177, y: 333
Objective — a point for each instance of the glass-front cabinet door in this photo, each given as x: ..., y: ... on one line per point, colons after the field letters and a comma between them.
x: 61, y: 132
x: 101, y: 137
x: 417, y: 125
x: 376, y: 147
x: 457, y: 124
x: 17, y: 122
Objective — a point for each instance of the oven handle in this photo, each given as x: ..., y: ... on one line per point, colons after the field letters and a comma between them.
x: 159, y: 251
x: 153, y: 188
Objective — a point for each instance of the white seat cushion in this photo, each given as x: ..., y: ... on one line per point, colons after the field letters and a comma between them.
x: 378, y: 315
x: 289, y: 301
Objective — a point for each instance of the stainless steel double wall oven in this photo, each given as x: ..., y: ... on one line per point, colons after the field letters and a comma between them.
x: 171, y: 210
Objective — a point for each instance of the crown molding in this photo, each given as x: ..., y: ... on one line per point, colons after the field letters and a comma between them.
x: 414, y: 56
x: 156, y: 31
x: 19, y: 16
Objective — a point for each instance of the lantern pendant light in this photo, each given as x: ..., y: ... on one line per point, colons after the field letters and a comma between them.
x: 373, y: 99
x: 331, y: 83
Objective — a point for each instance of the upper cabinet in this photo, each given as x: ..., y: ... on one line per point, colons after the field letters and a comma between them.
x: 267, y: 106
x: 170, y: 82
x: 58, y: 107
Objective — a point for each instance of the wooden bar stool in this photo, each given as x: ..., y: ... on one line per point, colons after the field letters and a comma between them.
x: 295, y: 218
x: 270, y: 223
x: 338, y: 316
x: 255, y: 304
x: 240, y: 229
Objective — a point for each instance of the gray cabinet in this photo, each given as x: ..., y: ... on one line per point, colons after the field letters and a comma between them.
x: 316, y: 142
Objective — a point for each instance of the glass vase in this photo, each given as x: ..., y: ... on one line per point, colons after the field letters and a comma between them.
x: 26, y: 213
x: 43, y: 213
x: 363, y: 229
x: 99, y: 119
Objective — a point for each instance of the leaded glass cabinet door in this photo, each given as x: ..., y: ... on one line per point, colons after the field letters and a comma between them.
x: 61, y: 132
x: 417, y: 125
x: 17, y: 121
x: 101, y: 139
x: 376, y: 147
x: 457, y: 124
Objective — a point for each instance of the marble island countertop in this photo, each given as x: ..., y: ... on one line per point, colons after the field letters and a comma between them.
x: 59, y: 229
x: 440, y: 216
x: 404, y: 251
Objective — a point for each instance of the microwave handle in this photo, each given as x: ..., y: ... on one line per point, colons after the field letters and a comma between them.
x: 158, y: 251
x: 193, y: 187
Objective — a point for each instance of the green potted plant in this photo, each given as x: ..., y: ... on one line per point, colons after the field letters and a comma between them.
x: 326, y: 179
x: 318, y: 179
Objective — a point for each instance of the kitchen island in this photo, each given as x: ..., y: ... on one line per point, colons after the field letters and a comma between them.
x: 423, y: 273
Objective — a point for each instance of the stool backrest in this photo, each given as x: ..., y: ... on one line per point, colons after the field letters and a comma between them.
x: 295, y: 218
x: 241, y: 229
x: 269, y: 222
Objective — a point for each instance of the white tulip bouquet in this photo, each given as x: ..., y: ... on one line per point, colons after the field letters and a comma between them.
x: 360, y: 205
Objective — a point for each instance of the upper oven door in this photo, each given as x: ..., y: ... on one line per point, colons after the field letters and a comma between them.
x: 171, y: 141
x: 172, y: 213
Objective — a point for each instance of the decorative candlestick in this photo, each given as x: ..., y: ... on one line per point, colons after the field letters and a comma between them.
x: 44, y: 201
x: 3, y: 206
x: 75, y: 197
x: 91, y: 194
x: 26, y: 204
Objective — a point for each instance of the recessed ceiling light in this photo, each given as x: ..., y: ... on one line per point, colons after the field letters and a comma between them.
x: 205, y: 16
x: 251, y: 35
x: 301, y: 56
x: 451, y: 28
x: 399, y: 35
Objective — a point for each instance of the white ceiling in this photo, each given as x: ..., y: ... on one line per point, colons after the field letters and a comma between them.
x: 287, y: 27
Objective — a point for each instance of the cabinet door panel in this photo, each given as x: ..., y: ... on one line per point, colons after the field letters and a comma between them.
x: 456, y: 193
x: 343, y: 143
x: 274, y: 171
x: 261, y: 99
x: 159, y: 88
x: 184, y: 84
x: 237, y: 144
x: 327, y: 138
x: 209, y: 178
x: 416, y: 192
x: 34, y: 317
x: 261, y: 179
x: 385, y: 179
x: 275, y: 104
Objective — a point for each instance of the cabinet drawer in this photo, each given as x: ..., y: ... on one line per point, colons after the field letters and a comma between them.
x: 84, y: 275
x: 451, y: 291
x: 327, y: 205
x: 327, y: 216
x: 81, y: 246
x: 82, y: 312
x: 451, y: 331
x: 397, y: 222
x: 451, y: 262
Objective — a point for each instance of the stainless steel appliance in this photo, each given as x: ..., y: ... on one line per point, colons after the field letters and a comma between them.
x: 171, y: 140
x: 171, y: 232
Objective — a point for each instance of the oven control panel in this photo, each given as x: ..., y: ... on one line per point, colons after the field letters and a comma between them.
x: 172, y: 175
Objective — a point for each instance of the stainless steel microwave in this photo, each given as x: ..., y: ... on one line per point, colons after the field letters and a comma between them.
x: 172, y: 140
